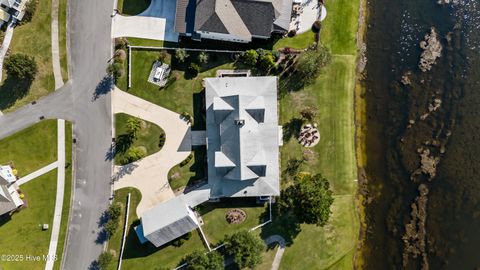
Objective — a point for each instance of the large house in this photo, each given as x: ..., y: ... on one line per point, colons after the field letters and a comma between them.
x: 9, y: 197
x: 242, y: 139
x: 232, y: 20
x: 12, y: 9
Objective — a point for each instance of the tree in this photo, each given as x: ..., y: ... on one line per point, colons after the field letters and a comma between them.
x: 310, y: 199
x: 309, y: 63
x: 114, y: 211
x: 194, y: 69
x: 245, y: 247
x: 309, y: 113
x: 133, y: 126
x: 134, y: 154
x: 203, y: 57
x: 181, y: 54
x: 111, y: 226
x: 198, y: 260
x: 104, y: 260
x: 250, y: 57
x: 21, y: 66
x: 267, y: 61
x: 115, y: 70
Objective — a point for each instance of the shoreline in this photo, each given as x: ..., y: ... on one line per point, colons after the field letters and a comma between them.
x: 360, y: 123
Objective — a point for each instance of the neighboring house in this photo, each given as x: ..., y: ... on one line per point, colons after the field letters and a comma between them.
x: 242, y: 140
x: 9, y: 197
x: 233, y: 20
x: 12, y: 9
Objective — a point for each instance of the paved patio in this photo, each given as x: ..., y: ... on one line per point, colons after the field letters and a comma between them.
x: 150, y: 174
x: 310, y: 12
x: 156, y: 22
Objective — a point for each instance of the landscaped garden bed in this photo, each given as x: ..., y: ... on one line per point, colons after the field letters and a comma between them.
x: 136, y: 135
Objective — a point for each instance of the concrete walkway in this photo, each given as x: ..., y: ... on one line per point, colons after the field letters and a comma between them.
x: 57, y: 71
x: 37, y: 173
x: 57, y: 215
x: 6, y: 43
x: 278, y: 256
x: 149, y: 175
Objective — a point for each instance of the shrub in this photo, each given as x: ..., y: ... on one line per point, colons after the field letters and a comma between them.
x: 111, y: 227
x: 203, y: 58
x: 186, y: 161
x: 250, y: 57
x: 309, y: 64
x: 194, y: 68
x: 276, y: 54
x: 181, y: 54
x: 133, y: 125
x: 115, y: 70
x: 267, y: 61
x: 30, y: 9
x: 162, y: 55
x: 121, y: 43
x: 161, y: 140
x: 120, y: 56
x: 104, y: 260
x: 292, y: 33
x: 114, y: 211
x: 134, y: 154
x: 316, y: 26
x: 21, y: 66
x: 308, y: 113
x: 182, y: 239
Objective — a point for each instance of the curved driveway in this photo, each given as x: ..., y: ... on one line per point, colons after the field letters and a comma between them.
x: 90, y: 48
x: 150, y: 174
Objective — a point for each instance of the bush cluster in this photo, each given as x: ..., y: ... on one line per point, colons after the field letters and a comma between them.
x: 186, y: 161
x: 21, y: 66
x: 182, y: 239
x: 113, y: 213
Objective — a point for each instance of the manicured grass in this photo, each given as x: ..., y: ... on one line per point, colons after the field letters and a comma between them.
x: 193, y: 171
x: 132, y: 7
x: 180, y: 95
x: 31, y: 148
x: 147, y: 137
x: 62, y: 37
x: 33, y: 38
x: 67, y: 194
x: 300, y: 41
x: 137, y: 256
x: 268, y: 257
x: 148, y: 42
x: 216, y: 226
x: 23, y: 234
x: 340, y: 27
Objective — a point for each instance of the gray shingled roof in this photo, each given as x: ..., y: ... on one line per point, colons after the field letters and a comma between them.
x: 243, y: 18
x: 242, y: 136
x: 6, y: 201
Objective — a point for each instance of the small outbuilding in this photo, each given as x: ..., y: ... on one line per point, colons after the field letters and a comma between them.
x: 166, y: 222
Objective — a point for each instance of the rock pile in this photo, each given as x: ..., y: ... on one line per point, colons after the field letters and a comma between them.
x: 432, y: 49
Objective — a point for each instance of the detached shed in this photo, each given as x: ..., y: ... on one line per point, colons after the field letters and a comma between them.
x: 167, y: 221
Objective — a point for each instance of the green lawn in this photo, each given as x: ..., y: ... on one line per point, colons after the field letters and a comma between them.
x: 62, y: 39
x: 300, y: 41
x: 67, y: 194
x: 132, y: 7
x: 147, y: 137
x: 137, y: 256
x: 31, y: 148
x: 23, y: 233
x: 148, y: 42
x: 181, y: 95
x: 193, y: 171
x: 216, y: 226
x: 268, y: 257
x: 33, y: 38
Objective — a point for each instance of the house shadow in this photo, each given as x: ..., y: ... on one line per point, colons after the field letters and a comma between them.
x: 233, y: 202
x: 199, y: 111
x: 12, y: 90
x: 199, y: 167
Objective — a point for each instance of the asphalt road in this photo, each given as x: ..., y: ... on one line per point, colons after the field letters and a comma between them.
x: 84, y: 101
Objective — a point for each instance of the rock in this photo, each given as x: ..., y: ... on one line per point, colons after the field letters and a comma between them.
x: 406, y: 78
x: 432, y: 49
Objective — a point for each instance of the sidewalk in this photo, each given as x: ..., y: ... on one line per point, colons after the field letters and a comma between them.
x: 37, y: 173
x: 57, y: 215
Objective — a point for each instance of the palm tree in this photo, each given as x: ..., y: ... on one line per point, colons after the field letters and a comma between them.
x: 133, y: 126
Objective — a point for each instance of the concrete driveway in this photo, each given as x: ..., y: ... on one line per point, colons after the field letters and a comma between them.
x: 156, y: 22
x: 150, y: 174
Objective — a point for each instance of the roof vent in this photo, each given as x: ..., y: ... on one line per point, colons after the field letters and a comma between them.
x: 240, y: 122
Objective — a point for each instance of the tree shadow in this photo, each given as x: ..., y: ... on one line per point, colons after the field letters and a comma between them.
x: 94, y: 266
x: 284, y: 223
x: 12, y: 90
x: 124, y: 170
x: 103, y: 87
x: 292, y: 129
x: 102, y: 237
x: 123, y: 143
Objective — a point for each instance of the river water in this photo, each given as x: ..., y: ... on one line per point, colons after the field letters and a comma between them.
x: 435, y: 113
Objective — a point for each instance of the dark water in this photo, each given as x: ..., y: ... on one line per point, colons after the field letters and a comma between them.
x: 451, y: 133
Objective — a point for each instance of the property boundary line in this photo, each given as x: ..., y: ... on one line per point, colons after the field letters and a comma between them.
x: 124, y: 233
